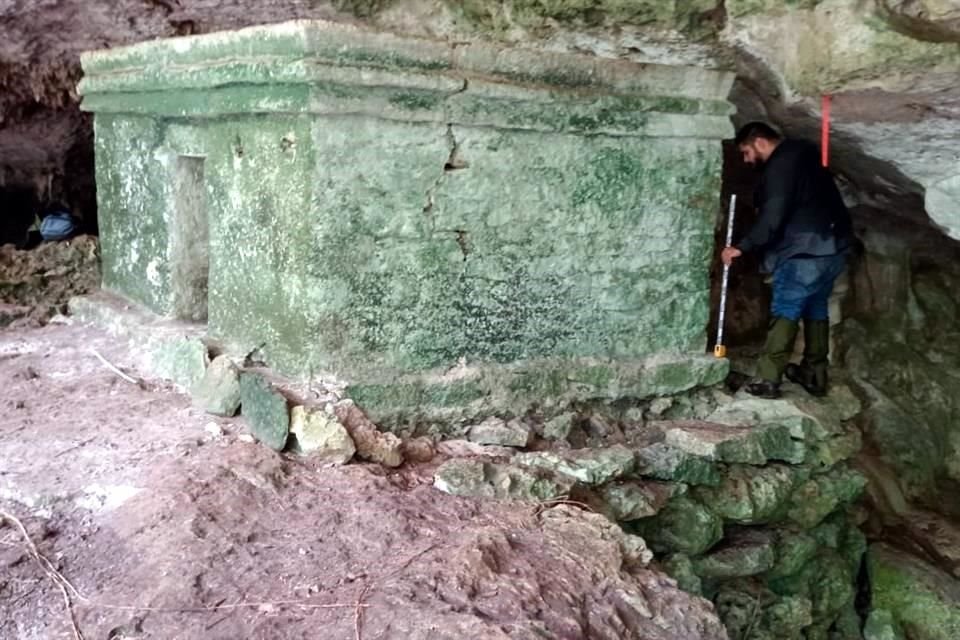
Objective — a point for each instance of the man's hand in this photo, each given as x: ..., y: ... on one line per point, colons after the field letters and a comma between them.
x: 729, y: 254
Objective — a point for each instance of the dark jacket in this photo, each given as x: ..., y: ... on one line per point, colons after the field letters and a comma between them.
x: 801, y: 210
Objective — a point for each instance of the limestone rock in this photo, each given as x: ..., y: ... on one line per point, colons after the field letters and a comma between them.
x: 265, y: 409
x: 218, y: 392
x: 590, y: 466
x: 683, y: 526
x: 744, y: 553
x: 881, y: 625
x: 558, y: 428
x: 183, y: 360
x: 495, y: 431
x: 835, y: 449
x: 734, y: 444
x: 419, y: 449
x: 754, y: 495
x: 821, y: 495
x: 632, y: 500
x: 372, y: 444
x: 321, y: 435
x: 679, y: 567
x: 919, y: 596
x: 665, y: 462
x: 747, y: 410
x: 793, y: 550
x: 502, y: 481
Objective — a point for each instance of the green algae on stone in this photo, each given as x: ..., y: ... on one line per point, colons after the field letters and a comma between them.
x: 679, y: 567
x: 502, y: 481
x: 683, y: 526
x: 923, y: 600
x: 740, y: 554
x: 793, y: 550
x: 753, y: 495
x: 664, y: 462
x: 881, y: 625
x: 265, y: 410
x: 734, y: 444
x: 819, y: 496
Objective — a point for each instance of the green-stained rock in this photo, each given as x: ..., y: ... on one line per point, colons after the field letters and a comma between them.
x: 513, y: 433
x: 803, y: 424
x: 683, y: 526
x: 265, y: 409
x: 558, y: 428
x: 593, y: 466
x: 632, y: 499
x: 923, y: 600
x: 664, y: 462
x: 218, y: 392
x: 475, y: 478
x: 750, y: 612
x: 319, y: 434
x: 881, y: 625
x: 792, y: 550
x: 835, y: 449
x: 741, y: 554
x: 679, y: 567
x: 426, y: 291
x: 183, y: 360
x: 753, y: 495
x: 733, y: 444
x: 819, y: 496
x: 827, y: 580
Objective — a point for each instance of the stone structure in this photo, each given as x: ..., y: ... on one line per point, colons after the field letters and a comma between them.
x: 448, y: 229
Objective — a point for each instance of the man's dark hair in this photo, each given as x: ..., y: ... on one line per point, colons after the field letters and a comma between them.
x: 753, y: 130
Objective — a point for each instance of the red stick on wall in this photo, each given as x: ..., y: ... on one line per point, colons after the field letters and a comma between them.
x: 825, y: 130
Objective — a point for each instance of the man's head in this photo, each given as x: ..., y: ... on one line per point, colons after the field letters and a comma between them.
x: 756, y: 141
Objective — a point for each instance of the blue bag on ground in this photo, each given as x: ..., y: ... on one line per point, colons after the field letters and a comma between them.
x: 57, y: 226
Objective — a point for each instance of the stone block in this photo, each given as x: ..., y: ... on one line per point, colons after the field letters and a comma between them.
x: 679, y: 567
x: 502, y: 481
x: 592, y: 467
x: 664, y: 462
x: 319, y: 434
x: 733, y: 444
x: 633, y: 499
x: 753, y: 495
x: 182, y: 360
x: 793, y: 550
x: 513, y: 433
x: 558, y: 428
x: 683, y: 526
x: 821, y: 495
x: 218, y: 392
x: 265, y: 409
x: 741, y: 554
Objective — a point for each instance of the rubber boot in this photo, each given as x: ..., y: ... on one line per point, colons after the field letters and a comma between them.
x: 812, y: 372
x: 776, y: 353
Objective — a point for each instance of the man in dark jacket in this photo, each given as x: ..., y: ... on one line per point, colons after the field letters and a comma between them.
x: 805, y: 233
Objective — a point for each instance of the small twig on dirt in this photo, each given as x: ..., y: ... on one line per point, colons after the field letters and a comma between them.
x: 55, y: 576
x: 358, y: 613
x: 113, y: 368
x: 546, y: 504
x: 753, y: 619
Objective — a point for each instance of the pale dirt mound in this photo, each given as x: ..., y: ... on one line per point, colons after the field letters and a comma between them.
x: 138, y: 500
x: 36, y: 284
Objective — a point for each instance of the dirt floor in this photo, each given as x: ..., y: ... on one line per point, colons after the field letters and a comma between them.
x: 167, y: 523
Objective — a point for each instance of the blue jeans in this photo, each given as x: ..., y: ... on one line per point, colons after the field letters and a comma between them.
x: 802, y: 286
